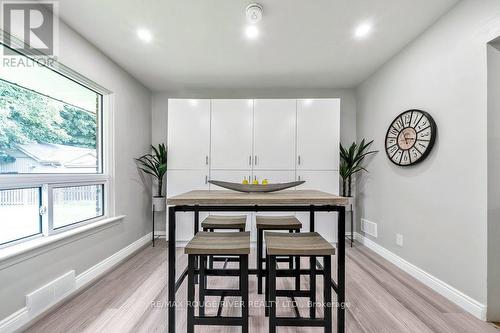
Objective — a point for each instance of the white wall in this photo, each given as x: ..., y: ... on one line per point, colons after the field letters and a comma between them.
x: 493, y: 182
x: 347, y: 110
x: 132, y: 105
x: 440, y: 205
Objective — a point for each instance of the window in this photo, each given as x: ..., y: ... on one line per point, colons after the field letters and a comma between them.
x: 74, y: 204
x: 53, y: 172
x: 20, y: 212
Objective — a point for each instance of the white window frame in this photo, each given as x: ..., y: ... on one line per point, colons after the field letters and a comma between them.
x: 48, y: 181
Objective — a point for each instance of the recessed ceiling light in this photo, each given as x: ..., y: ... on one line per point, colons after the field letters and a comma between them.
x: 193, y: 102
x: 363, y: 30
x: 144, y: 35
x: 252, y: 32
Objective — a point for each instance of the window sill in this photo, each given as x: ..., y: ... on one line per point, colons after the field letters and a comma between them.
x: 16, y: 253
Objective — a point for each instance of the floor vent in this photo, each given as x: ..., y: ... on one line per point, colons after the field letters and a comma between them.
x: 369, y: 227
x: 50, y: 293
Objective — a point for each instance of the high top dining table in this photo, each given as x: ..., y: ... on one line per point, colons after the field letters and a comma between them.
x: 228, y: 201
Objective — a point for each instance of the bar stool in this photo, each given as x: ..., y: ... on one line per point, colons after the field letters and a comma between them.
x: 290, y: 223
x: 310, y: 245
x: 222, y: 222
x: 202, y: 245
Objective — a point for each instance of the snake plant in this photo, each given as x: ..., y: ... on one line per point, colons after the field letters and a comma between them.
x: 350, y: 163
x: 155, y: 164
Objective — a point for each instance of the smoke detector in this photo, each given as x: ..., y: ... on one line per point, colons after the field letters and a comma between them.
x: 254, y: 13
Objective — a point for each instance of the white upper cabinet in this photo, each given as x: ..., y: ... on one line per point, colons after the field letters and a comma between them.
x: 275, y: 123
x: 231, y: 134
x: 188, y: 134
x: 318, y: 132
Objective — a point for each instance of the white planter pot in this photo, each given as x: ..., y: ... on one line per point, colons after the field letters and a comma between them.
x: 350, y: 204
x: 159, y: 204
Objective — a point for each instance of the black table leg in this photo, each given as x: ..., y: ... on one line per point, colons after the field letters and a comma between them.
x: 196, y: 229
x: 171, y: 270
x: 311, y: 219
x: 260, y: 260
x: 341, y: 271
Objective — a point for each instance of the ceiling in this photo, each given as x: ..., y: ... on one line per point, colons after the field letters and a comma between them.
x: 200, y: 44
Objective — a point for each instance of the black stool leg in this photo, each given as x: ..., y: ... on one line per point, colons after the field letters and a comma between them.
x: 272, y: 294
x: 297, y: 270
x: 266, y: 309
x: 327, y: 293
x: 260, y: 234
x: 202, y: 285
x: 211, y: 258
x: 290, y: 259
x: 297, y: 273
x: 312, y: 287
x: 244, y: 292
x: 190, y: 298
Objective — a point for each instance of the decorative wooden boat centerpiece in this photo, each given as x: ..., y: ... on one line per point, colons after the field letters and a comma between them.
x: 255, y: 188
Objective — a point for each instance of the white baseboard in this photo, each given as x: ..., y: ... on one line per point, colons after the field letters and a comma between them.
x: 24, y: 317
x: 467, y: 303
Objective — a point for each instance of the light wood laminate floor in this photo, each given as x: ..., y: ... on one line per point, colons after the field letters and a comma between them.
x: 381, y: 298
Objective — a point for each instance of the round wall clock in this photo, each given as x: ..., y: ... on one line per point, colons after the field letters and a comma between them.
x: 410, y: 137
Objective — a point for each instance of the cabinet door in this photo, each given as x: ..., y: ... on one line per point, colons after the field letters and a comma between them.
x: 274, y: 134
x: 188, y: 134
x: 181, y: 181
x: 318, y: 134
x: 328, y: 181
x: 232, y: 123
x: 274, y: 176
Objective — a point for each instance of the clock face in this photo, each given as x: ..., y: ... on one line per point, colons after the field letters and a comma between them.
x: 410, y: 137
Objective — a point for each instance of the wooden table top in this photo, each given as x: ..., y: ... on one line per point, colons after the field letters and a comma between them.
x: 290, y: 197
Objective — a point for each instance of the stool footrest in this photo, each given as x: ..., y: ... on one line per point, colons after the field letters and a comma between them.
x: 229, y: 259
x: 304, y: 322
x: 220, y: 272
x: 293, y: 293
x: 292, y: 273
x: 222, y: 292
x: 222, y: 321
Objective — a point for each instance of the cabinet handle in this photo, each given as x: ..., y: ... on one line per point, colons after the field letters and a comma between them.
x: 250, y: 160
x: 254, y: 177
x: 299, y: 178
x: 206, y: 159
x: 255, y: 159
x: 299, y: 159
x: 206, y: 179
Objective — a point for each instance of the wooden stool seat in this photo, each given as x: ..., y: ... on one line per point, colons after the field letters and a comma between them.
x: 224, y: 222
x: 219, y: 243
x: 278, y: 222
x: 299, y: 244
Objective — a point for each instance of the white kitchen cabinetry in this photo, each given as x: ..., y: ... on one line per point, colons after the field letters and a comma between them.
x: 278, y: 140
x: 275, y: 122
x: 188, y: 134
x: 231, y: 134
x: 318, y: 134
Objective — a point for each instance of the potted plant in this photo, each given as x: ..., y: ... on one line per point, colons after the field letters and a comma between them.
x: 155, y: 164
x: 350, y: 163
